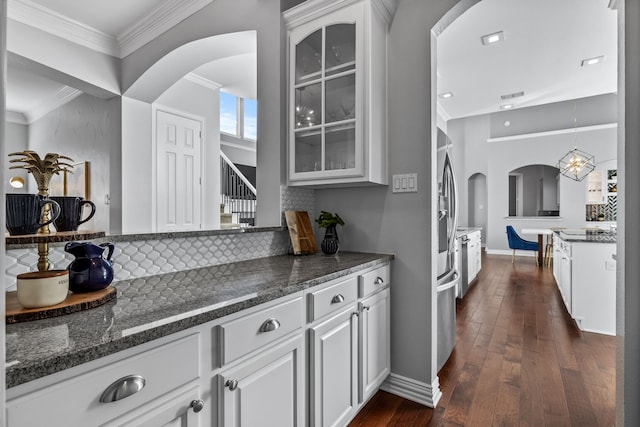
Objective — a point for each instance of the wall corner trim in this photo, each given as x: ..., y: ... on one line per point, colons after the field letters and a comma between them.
x: 416, y: 391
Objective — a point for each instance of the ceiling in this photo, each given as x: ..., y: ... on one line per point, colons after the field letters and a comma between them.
x: 30, y: 95
x: 544, y: 44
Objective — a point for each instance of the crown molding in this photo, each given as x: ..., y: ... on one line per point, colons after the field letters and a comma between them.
x: 60, y: 98
x: 199, y: 80
x: 49, y: 21
x: 154, y: 23
x: 311, y: 9
x: 15, y: 117
x: 157, y: 21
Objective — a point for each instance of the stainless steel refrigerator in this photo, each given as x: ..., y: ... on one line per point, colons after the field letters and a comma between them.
x: 448, y: 277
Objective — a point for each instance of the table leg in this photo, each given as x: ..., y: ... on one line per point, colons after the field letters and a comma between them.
x: 540, y: 249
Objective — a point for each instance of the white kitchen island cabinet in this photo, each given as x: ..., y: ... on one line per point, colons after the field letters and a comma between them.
x: 259, y: 365
x: 585, y: 272
x: 337, y: 92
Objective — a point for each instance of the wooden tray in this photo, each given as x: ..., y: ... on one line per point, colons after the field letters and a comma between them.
x: 75, y: 302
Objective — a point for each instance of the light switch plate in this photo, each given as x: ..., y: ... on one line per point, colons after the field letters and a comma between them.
x: 405, y: 183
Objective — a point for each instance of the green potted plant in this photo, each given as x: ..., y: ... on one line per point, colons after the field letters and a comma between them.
x: 330, y: 244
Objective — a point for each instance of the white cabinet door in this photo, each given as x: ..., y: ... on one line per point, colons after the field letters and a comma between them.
x: 180, y: 409
x: 265, y: 390
x: 565, y: 281
x: 557, y: 261
x: 337, y: 92
x: 333, y: 373
x: 375, y: 347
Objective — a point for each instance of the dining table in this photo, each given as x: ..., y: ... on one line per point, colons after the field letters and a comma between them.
x: 541, y: 232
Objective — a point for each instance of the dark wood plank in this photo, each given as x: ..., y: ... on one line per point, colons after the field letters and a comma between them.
x: 519, y: 360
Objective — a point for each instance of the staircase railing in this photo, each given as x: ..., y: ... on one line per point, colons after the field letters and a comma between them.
x: 237, y: 192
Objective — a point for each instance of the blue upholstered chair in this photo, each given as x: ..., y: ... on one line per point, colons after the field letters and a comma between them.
x: 517, y: 242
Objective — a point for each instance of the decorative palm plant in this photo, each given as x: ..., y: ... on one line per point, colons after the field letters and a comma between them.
x: 42, y: 169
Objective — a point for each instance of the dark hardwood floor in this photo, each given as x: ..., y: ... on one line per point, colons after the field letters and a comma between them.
x: 519, y: 360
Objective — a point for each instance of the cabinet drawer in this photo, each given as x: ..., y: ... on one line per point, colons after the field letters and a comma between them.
x: 331, y: 298
x: 373, y: 280
x: 75, y: 401
x: 241, y: 336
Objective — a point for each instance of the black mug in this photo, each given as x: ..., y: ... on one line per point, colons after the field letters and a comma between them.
x: 71, y: 209
x: 24, y: 213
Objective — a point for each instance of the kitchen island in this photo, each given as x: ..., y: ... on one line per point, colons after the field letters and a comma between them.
x: 585, y: 271
x: 196, y: 335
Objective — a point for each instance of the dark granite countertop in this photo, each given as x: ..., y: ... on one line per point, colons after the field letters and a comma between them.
x: 155, y: 306
x: 587, y: 236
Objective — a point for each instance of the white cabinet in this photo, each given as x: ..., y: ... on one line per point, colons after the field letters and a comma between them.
x: 349, y: 350
x: 146, y: 382
x: 333, y: 369
x: 375, y: 346
x: 310, y: 358
x: 180, y: 409
x: 586, y: 276
x: 337, y: 92
x: 596, y: 188
x: 265, y: 390
x: 474, y: 255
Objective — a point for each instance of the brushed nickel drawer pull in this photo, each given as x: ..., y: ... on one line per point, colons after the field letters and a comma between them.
x: 270, y: 325
x: 337, y: 299
x: 232, y: 384
x: 378, y: 281
x: 123, y: 388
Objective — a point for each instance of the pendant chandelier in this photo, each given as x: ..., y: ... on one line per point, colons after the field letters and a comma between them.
x: 576, y: 164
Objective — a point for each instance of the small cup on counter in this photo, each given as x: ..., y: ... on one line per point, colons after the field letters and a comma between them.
x: 42, y: 288
x: 24, y: 213
x: 71, y: 210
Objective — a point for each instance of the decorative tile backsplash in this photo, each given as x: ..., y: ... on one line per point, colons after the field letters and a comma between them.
x: 140, y: 258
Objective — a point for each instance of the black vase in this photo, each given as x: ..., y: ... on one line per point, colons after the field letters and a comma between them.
x: 330, y: 244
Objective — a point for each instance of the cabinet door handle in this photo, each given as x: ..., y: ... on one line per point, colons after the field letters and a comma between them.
x: 123, y: 388
x: 337, y: 299
x: 366, y: 307
x: 378, y: 281
x: 196, y: 405
x: 355, y: 313
x: 270, y: 325
x: 232, y: 384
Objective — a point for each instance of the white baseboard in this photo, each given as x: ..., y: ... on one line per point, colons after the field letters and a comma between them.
x: 416, y: 391
x: 509, y: 252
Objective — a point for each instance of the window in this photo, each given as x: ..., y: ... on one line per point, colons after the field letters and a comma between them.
x: 238, y: 116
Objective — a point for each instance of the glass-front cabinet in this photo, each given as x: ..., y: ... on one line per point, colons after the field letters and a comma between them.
x: 335, y: 138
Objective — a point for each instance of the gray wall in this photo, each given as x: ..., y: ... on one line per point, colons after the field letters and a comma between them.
x: 85, y: 129
x: 226, y: 16
x: 628, y: 323
x: 401, y: 223
x: 16, y: 139
x: 496, y: 159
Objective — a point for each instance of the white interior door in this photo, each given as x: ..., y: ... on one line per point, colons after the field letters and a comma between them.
x: 178, y: 165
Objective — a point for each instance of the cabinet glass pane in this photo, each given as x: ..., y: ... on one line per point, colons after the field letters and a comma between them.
x: 308, y: 106
x: 309, y: 57
x: 340, y: 147
x: 308, y: 151
x: 340, y: 98
x: 340, y: 48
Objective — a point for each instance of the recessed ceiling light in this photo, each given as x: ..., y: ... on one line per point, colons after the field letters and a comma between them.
x: 446, y: 95
x: 592, y: 61
x: 506, y: 106
x: 492, y: 38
